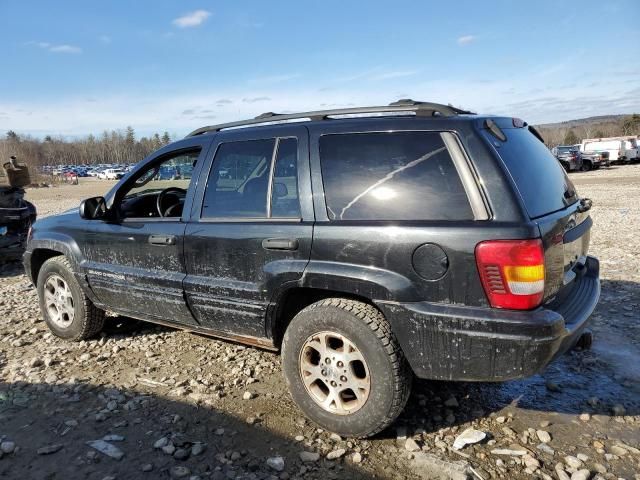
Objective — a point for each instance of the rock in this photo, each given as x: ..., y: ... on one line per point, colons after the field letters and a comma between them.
x: 106, y: 448
x: 36, y: 362
x: 451, y: 402
x: 501, y: 419
x: 356, y: 458
x: 198, y: 449
x: 401, y: 433
x: 582, y: 457
x: 179, y: 471
x: 181, y: 454
x: 309, y: 456
x: 618, y: 410
x: 299, y: 438
x: 583, y: 474
x: 543, y: 447
x: 598, y: 467
x: 7, y: 447
x: 585, y: 417
x: 169, y: 449
x: 617, y: 450
x: 113, y: 438
x: 514, y: 452
x: 162, y: 442
x: 335, y: 437
x: 543, y: 436
x: 411, y: 445
x: 247, y: 396
x: 49, y: 449
x: 147, y: 467
x: 335, y: 454
x: 552, y: 386
x: 562, y: 475
x: 468, y: 437
x: 427, y: 465
x: 545, y: 423
x: 277, y: 463
x: 573, y: 462
x: 531, y: 462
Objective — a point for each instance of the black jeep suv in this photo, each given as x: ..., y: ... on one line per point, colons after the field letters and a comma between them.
x: 367, y: 244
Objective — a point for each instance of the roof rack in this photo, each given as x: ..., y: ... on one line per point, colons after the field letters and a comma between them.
x: 403, y: 105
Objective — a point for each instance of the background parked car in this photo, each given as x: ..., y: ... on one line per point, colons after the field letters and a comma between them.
x: 568, y: 156
x: 594, y: 159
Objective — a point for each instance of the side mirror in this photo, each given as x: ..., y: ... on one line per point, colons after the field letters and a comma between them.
x: 280, y: 190
x: 93, y: 208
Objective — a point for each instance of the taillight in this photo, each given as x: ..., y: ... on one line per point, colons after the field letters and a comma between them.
x: 512, y: 272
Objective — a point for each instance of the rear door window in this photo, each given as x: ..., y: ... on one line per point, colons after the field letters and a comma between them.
x: 391, y: 176
x: 542, y: 182
x: 239, y: 180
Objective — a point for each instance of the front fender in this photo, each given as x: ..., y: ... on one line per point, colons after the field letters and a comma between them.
x: 60, y: 243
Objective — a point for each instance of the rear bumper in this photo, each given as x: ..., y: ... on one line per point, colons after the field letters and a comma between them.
x: 449, y: 342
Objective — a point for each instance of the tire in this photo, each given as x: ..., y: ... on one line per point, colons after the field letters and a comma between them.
x: 77, y: 319
x: 586, y: 166
x: 383, y: 363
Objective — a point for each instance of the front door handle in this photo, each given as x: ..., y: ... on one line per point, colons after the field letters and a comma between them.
x: 280, y: 243
x: 162, y: 239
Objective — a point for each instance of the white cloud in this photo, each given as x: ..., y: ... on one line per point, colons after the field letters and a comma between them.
x: 466, y: 39
x: 394, y: 74
x: 192, y: 19
x: 65, y: 49
x: 56, y: 48
x: 285, y: 77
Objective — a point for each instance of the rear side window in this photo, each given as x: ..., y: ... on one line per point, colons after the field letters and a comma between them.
x: 391, y: 176
x: 239, y: 182
x: 539, y: 177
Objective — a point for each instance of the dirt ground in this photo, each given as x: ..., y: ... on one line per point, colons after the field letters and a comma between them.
x: 168, y: 404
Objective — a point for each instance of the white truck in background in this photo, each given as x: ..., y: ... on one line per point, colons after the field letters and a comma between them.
x: 620, y: 149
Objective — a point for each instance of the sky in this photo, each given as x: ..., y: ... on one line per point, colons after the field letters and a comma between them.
x: 72, y: 68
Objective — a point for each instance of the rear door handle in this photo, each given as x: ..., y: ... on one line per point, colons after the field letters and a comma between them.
x: 280, y: 243
x: 162, y: 239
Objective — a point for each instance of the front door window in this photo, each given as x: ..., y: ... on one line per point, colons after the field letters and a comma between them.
x: 160, y: 189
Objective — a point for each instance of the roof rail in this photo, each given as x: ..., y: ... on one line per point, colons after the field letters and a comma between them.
x: 403, y: 105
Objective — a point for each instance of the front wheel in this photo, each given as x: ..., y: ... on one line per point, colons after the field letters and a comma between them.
x: 67, y: 311
x: 344, y: 367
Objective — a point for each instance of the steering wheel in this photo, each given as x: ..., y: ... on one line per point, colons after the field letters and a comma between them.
x: 161, y: 197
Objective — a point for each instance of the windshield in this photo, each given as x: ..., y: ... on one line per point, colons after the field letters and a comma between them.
x: 542, y: 182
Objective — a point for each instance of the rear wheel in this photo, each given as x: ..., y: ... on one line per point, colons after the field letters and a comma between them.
x: 344, y: 367
x: 586, y: 166
x: 68, y: 312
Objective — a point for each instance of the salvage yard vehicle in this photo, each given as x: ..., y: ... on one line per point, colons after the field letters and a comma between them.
x: 593, y: 159
x: 368, y: 245
x: 620, y: 149
x: 569, y: 157
x: 16, y: 213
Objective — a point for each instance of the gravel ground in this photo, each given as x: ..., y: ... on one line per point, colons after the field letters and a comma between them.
x: 150, y: 402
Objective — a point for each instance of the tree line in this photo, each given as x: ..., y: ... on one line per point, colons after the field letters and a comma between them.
x: 115, y: 146
x: 122, y: 146
x: 561, y: 135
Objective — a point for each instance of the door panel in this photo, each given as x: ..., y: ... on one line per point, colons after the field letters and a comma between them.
x: 236, y: 264
x: 128, y: 273
x: 136, y: 265
x: 231, y: 277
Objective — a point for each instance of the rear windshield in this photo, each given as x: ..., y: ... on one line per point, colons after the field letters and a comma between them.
x: 539, y: 177
x: 391, y: 176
